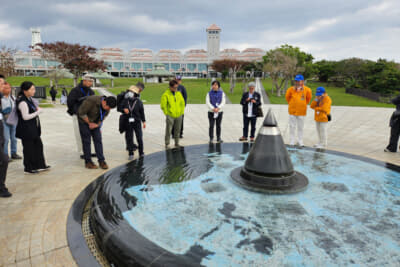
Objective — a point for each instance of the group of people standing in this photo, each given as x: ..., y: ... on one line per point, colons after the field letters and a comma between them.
x: 298, y: 97
x: 20, y: 118
x: 89, y: 112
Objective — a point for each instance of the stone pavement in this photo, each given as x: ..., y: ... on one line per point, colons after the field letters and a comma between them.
x: 33, y: 221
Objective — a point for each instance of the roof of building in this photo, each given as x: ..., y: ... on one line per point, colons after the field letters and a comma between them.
x: 213, y: 27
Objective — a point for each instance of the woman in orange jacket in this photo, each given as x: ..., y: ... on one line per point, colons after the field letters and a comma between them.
x: 322, y: 106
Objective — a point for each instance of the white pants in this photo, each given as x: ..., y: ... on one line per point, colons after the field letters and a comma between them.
x: 322, y: 132
x: 78, y: 139
x: 296, y: 121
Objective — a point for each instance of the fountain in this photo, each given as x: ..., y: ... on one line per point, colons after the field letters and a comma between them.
x: 268, y: 167
x: 192, y: 207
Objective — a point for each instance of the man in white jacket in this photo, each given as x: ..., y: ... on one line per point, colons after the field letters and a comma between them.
x: 215, y: 101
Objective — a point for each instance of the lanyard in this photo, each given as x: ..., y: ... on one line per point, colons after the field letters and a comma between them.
x: 101, y: 114
x: 83, y: 92
x: 132, y: 107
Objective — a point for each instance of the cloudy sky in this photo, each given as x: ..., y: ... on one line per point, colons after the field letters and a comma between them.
x: 329, y: 29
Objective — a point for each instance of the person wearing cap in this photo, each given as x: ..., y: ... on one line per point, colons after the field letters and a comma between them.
x: 215, y: 100
x: 92, y: 113
x: 250, y: 102
x: 181, y: 89
x: 173, y: 106
x: 74, y: 101
x: 120, y: 108
x: 298, y: 97
x: 131, y: 120
x: 322, y: 106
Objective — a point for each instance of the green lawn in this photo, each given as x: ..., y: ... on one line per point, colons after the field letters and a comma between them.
x: 337, y: 94
x: 197, y: 90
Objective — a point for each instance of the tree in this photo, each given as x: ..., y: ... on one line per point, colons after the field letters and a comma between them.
x: 304, y: 60
x: 281, y: 68
x: 325, y: 70
x: 74, y: 57
x: 230, y: 65
x: 7, y: 62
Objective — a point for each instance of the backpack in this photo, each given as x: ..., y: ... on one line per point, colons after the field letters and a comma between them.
x: 120, y: 98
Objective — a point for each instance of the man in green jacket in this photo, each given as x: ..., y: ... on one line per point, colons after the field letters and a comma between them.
x: 173, y: 106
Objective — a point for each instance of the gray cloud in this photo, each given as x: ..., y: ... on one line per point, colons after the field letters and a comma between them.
x: 327, y: 29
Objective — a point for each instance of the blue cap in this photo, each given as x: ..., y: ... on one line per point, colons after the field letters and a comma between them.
x: 178, y: 77
x: 299, y: 77
x: 320, y: 91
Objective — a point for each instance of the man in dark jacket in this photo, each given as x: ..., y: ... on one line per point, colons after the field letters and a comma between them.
x: 92, y: 113
x: 250, y: 101
x: 3, y: 158
x: 181, y: 89
x: 131, y: 120
x: 395, y: 127
x: 74, y: 100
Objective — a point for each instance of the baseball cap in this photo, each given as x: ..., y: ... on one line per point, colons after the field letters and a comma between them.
x: 87, y: 77
x: 320, y: 91
x: 299, y: 77
x: 178, y: 77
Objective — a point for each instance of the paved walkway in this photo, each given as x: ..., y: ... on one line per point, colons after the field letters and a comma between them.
x: 33, y: 221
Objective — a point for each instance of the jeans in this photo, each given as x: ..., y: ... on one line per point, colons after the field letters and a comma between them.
x: 86, y: 135
x: 9, y: 135
x: 246, y: 121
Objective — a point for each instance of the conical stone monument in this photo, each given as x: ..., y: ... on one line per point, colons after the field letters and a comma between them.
x: 268, y: 167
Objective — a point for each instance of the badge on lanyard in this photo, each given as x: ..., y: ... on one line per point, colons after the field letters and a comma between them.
x: 131, y: 120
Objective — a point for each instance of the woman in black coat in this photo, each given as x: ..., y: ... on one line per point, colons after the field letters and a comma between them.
x: 250, y: 101
x: 29, y: 130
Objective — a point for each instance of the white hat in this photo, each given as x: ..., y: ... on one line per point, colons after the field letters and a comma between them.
x: 87, y: 77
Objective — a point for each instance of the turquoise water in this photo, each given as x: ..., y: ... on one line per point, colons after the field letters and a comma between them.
x: 348, y: 216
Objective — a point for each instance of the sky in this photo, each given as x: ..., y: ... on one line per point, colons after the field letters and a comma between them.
x: 332, y: 30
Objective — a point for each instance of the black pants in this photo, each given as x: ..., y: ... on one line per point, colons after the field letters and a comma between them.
x: 394, y: 135
x: 3, y: 159
x: 137, y: 128
x: 246, y: 121
x: 181, y: 134
x: 213, y: 121
x: 33, y: 154
x: 86, y: 136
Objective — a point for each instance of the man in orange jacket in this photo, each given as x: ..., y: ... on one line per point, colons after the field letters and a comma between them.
x: 297, y: 96
x: 322, y: 107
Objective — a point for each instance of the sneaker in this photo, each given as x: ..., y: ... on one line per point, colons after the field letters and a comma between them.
x: 317, y: 145
x: 45, y: 168
x: 91, y: 165
x: 141, y: 155
x: 130, y: 157
x: 31, y: 171
x: 16, y: 156
x: 103, y: 165
x: 5, y: 193
x: 219, y: 140
x: 301, y: 145
x: 387, y: 150
x: 251, y: 139
x: 242, y: 139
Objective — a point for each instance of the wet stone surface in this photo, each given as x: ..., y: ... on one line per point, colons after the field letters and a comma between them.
x: 349, y: 214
